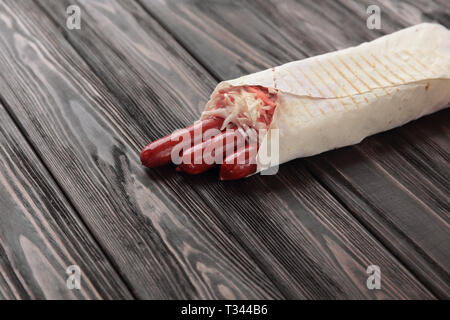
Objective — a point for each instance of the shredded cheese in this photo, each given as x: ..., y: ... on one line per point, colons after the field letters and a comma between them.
x: 241, y: 108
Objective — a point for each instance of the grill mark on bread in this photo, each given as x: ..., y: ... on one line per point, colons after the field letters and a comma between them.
x: 369, y: 76
x: 328, y: 73
x: 356, y: 76
x: 306, y: 108
x: 426, y: 70
x: 311, y: 82
x: 298, y: 81
x: 321, y: 111
x: 314, y: 85
x: 288, y: 83
x: 301, y: 84
x: 410, y: 65
x: 343, y: 88
x: 375, y: 69
x: 415, y: 59
x: 388, y: 69
x: 326, y: 84
x: 399, y: 66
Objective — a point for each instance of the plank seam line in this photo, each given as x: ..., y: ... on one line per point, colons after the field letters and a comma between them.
x: 117, y: 269
x: 375, y: 235
x: 23, y: 131
x: 126, y: 138
x: 179, y: 41
x: 244, y: 247
x: 212, y: 73
x: 224, y: 224
x: 113, y: 94
x: 129, y: 287
x: 218, y: 79
x: 322, y: 183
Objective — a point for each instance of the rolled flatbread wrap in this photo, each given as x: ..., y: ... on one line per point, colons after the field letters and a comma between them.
x: 339, y: 98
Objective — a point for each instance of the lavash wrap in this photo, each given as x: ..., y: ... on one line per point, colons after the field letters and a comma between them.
x: 339, y: 98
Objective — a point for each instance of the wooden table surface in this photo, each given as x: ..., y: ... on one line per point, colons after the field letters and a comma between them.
x: 77, y: 106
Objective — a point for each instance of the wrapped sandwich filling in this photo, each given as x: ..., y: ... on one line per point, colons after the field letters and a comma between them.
x: 244, y: 106
x: 339, y: 98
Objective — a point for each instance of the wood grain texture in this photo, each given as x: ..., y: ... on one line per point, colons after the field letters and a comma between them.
x: 395, y: 183
x: 41, y: 235
x: 159, y: 234
x: 296, y: 245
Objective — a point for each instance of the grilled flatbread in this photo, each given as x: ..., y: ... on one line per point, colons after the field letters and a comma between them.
x: 339, y: 98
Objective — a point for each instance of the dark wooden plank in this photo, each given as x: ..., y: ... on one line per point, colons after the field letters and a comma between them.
x: 161, y: 237
x: 231, y: 42
x: 277, y: 229
x: 429, y: 137
x: 41, y: 235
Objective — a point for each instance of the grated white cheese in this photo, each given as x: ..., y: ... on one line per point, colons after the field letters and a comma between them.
x: 243, y: 112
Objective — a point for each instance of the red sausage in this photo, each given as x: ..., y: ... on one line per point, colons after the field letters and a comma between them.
x: 200, y: 157
x: 231, y: 169
x: 158, y: 153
